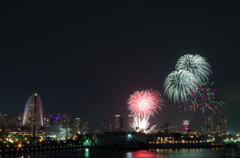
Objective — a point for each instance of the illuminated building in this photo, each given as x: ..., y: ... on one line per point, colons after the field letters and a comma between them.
x: 117, y: 123
x: 110, y: 127
x: 77, y: 126
x: 33, y: 113
x: 218, y: 129
x: 121, y: 124
x: 16, y: 120
x: 185, y: 125
x: 223, y: 124
x: 66, y: 120
x: 129, y: 123
x: 47, y: 120
x: 86, y: 128
x: 208, y: 125
x: 105, y: 126
x: 5, y: 119
x: 60, y: 119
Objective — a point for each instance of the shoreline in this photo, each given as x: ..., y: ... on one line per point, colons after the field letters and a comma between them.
x: 30, y: 149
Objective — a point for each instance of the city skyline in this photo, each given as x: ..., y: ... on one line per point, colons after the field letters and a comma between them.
x: 85, y: 59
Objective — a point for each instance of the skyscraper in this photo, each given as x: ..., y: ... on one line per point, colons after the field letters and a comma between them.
x: 105, y: 126
x: 129, y: 123
x: 33, y: 113
x: 208, y: 125
x: 77, y: 126
x: 117, y: 123
x: 223, y: 124
x: 47, y: 120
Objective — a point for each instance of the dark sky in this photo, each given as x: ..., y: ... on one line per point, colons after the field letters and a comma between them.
x: 85, y: 59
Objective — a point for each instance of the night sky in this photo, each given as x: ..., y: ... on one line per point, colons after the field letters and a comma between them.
x: 86, y: 58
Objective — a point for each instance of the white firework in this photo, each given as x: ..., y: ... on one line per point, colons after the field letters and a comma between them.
x: 196, y: 65
x: 179, y: 84
x: 141, y: 124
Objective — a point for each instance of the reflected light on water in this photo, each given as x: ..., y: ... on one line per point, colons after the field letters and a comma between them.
x: 86, y: 155
x: 141, y: 154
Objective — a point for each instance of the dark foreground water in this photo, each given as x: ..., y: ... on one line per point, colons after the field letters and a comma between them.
x: 154, y: 153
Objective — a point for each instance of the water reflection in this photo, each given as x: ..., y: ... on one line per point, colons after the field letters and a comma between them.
x: 86, y: 153
x: 152, y: 153
x: 141, y: 154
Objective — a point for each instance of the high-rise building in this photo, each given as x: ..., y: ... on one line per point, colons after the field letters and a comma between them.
x: 60, y: 119
x: 218, y: 129
x: 122, y: 125
x: 86, y: 128
x: 47, y: 120
x: 33, y: 113
x: 117, y: 123
x: 105, y: 126
x: 110, y: 127
x: 129, y: 123
x: 17, y: 119
x: 223, y: 124
x: 77, y: 126
x: 5, y: 119
x: 208, y: 125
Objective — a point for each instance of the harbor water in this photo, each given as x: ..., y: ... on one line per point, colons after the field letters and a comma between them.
x: 120, y: 153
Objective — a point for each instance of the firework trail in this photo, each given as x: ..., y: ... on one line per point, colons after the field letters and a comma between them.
x: 179, y: 84
x: 196, y: 65
x: 142, y: 105
x: 183, y: 85
x: 205, y: 97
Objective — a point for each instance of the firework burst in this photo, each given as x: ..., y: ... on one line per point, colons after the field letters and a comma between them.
x: 206, y: 98
x: 142, y: 105
x: 145, y: 102
x: 179, y: 84
x: 196, y: 65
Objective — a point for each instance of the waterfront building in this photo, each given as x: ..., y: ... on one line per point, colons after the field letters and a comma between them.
x: 129, y: 123
x: 47, y: 120
x: 117, y: 123
x: 60, y: 119
x: 59, y: 132
x: 57, y: 120
x: 105, y: 126
x: 5, y: 119
x: 110, y: 127
x: 77, y: 126
x: 223, y: 125
x: 218, y: 129
x: 208, y: 130
x: 33, y: 113
x: 122, y: 124
x: 17, y: 119
x: 86, y: 128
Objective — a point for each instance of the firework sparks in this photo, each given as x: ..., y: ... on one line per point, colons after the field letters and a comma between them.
x: 142, y: 105
x: 196, y: 65
x: 179, y: 84
x: 205, y: 97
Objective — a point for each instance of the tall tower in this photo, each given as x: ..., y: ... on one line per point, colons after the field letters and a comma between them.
x: 186, y: 124
x: 117, y: 123
x: 105, y: 126
x: 129, y: 123
x: 77, y: 126
x: 223, y: 124
x: 33, y: 113
x: 208, y: 125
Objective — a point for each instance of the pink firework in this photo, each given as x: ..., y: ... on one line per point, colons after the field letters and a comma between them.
x: 145, y: 102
